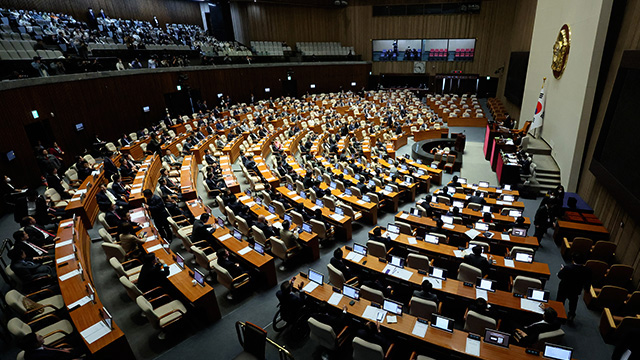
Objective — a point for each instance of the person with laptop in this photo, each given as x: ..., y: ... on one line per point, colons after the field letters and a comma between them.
x: 152, y: 274
x: 528, y: 335
x: 573, y: 278
x: 234, y: 268
x: 338, y: 262
x: 426, y: 292
x: 477, y: 260
x: 477, y: 199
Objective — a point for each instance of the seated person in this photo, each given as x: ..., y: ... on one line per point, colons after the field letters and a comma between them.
x: 372, y: 334
x: 112, y: 217
x: 529, y: 334
x: 234, y: 268
x: 426, y: 292
x: 170, y: 183
x: 153, y: 273
x: 476, y: 198
x: 118, y: 187
x: 339, y: 263
x: 291, y: 300
x: 289, y: 238
x: 481, y: 307
x: 25, y: 269
x: 105, y: 197
x: 167, y: 191
x: 377, y: 236
x: 33, y: 252
x: 37, y: 234
x: 317, y: 215
x: 268, y: 230
x: 477, y: 260
x: 202, y: 231
x: 128, y: 239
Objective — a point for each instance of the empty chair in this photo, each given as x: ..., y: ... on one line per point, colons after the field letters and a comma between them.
x: 280, y: 209
x: 279, y: 249
x: 132, y: 272
x: 163, y: 315
x: 371, y: 294
x: 613, y: 327
x: 404, y: 228
x: 364, y: 350
x: 612, y: 297
x: 418, y: 262
x: 578, y: 245
x: 378, y: 249
x: 55, y: 332
x: 468, y: 273
x: 133, y: 291
x: 329, y: 203
x: 234, y: 285
x: 423, y: 308
x: 337, y: 279
x: 551, y: 337
x: 632, y: 305
x: 243, y: 227
x: 324, y: 335
x: 521, y: 284
x: 474, y: 206
x: 105, y: 236
x: 448, y: 166
x: 114, y: 250
x: 618, y: 275
x: 34, y: 305
x: 476, y: 323
x: 437, y: 160
x: 348, y: 211
x: 598, y: 271
x: 603, y: 250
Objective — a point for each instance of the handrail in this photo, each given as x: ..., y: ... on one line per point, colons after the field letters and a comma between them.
x: 284, y: 353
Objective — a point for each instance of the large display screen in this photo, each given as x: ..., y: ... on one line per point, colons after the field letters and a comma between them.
x: 424, y: 50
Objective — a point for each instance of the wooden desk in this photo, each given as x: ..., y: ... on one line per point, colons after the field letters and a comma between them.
x: 173, y: 145
x: 444, y: 254
x: 75, y: 288
x: 227, y: 172
x: 135, y: 149
x: 448, y: 344
x: 343, y: 225
x: 460, y: 230
x: 232, y: 149
x: 473, y: 215
x: 199, y: 150
x: 203, y: 298
x: 369, y: 209
x: 494, y: 203
x: 267, y: 175
x: 436, y: 174
x: 399, y: 141
x: 430, y: 134
x: 453, y: 287
x: 265, y: 264
x: 466, y: 121
x: 571, y: 229
x: 84, y: 203
x: 146, y: 178
x: 188, y: 175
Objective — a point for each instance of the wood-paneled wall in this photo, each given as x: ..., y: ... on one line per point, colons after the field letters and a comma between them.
x: 167, y: 11
x: 112, y: 105
x: 501, y: 27
x: 605, y: 206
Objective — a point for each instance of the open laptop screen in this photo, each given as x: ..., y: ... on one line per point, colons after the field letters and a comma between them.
x: 557, y: 352
x: 496, y: 338
x: 395, y: 229
x: 316, y: 277
x: 538, y: 295
x: 392, y: 307
x: 360, y: 249
x: 447, y: 219
x: 442, y: 323
x: 524, y: 257
x: 486, y: 284
x: 397, y: 261
x: 438, y: 273
x: 351, y: 292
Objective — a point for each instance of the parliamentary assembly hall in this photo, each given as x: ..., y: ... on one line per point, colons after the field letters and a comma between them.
x: 319, y: 179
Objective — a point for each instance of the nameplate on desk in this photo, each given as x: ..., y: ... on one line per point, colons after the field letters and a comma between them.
x: 69, y: 275
x: 65, y: 258
x: 448, y: 226
x: 66, y: 223
x: 139, y: 177
x: 225, y: 237
x: 136, y: 191
x: 404, y: 216
x: 64, y: 243
x: 154, y: 248
x: 509, y: 263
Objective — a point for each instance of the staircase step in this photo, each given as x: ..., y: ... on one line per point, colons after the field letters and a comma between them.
x: 548, y: 176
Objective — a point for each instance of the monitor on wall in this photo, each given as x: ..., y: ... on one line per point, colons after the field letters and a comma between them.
x: 615, y: 156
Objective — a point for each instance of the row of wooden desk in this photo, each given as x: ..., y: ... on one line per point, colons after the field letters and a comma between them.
x: 146, y: 179
x: 188, y: 176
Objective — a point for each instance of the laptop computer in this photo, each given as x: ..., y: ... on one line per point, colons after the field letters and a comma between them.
x: 237, y: 234
x: 388, y: 188
x: 451, y: 190
x: 339, y: 211
x: 198, y: 276
x: 307, y: 228
x: 458, y: 204
x: 394, y: 229
x: 408, y: 179
x: 272, y: 209
x: 521, y: 232
x: 360, y: 249
x: 316, y: 277
x: 220, y: 222
x: 258, y: 200
x: 438, y: 273
x: 480, y: 226
x: 288, y: 218
x: 303, y: 194
x: 180, y: 261
x: 348, y: 192
x: 462, y: 181
x: 432, y: 239
x: 538, y: 295
x: 524, y: 257
x: 557, y: 352
x: 515, y: 213
x: 351, y: 292
x: 419, y: 161
x: 447, y: 219
x: 319, y: 203
x: 508, y: 198
x: 495, y: 337
x: 333, y: 185
x: 442, y: 323
x: 258, y: 248
x: 486, y: 284
x: 392, y: 307
x: 366, y: 198
x: 416, y: 212
x: 290, y: 187
x: 397, y: 261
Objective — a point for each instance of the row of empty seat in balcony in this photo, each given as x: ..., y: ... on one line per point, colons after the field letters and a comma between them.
x: 269, y: 48
x: 324, y: 48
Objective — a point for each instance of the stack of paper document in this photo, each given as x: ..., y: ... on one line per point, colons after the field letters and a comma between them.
x: 531, y: 305
x: 310, y: 287
x: 335, y: 298
x: 472, y: 347
x: 420, y: 329
x: 354, y: 256
x: 397, y: 272
x: 95, y: 332
x: 224, y: 237
x: 244, y: 250
x: 371, y: 313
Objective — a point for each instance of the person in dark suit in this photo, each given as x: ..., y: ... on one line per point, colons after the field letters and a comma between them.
x: 377, y: 236
x: 27, y: 270
x: 231, y: 266
x: 159, y: 214
x: 153, y: 273
x: 118, y: 187
x: 481, y: 307
x: 201, y: 231
x: 542, y: 219
x: 167, y: 191
x: 426, y: 292
x: 105, y: 197
x: 33, y: 252
x: 372, y: 334
x: 209, y: 158
x: 110, y: 168
x: 34, y: 349
x: 32, y: 205
x: 37, y: 234
x: 290, y: 299
x: 477, y: 260
x: 529, y: 334
x: 54, y: 181
x: 476, y: 198
x: 338, y: 262
x: 112, y: 217
x: 268, y: 230
x: 573, y: 278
